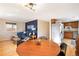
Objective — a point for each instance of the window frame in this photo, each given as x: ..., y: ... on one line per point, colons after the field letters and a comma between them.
x: 12, y: 26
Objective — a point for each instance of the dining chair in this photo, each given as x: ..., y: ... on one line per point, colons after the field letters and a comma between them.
x: 63, y: 47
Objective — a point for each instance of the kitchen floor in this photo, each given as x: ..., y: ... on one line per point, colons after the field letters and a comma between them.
x: 70, y: 51
x: 8, y: 48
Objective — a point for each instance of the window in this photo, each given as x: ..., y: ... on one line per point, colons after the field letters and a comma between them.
x: 11, y: 26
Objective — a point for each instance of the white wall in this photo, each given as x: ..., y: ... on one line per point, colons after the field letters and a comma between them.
x: 2, y: 29
x: 50, y: 30
x: 20, y: 26
x: 43, y: 28
x: 78, y: 27
x: 5, y: 34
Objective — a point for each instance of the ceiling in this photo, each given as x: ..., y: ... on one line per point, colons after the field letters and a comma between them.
x: 44, y: 11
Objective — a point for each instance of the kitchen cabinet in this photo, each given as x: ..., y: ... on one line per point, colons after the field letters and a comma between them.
x: 71, y: 29
x: 68, y: 35
x: 73, y: 24
x: 77, y: 46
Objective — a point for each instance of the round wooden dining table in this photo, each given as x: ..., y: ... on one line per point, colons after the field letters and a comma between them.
x: 38, y: 48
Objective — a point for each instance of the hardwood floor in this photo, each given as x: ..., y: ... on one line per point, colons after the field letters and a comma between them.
x: 70, y: 48
x: 70, y: 51
x: 7, y: 48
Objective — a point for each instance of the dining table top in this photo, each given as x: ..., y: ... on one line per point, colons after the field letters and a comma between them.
x: 38, y: 48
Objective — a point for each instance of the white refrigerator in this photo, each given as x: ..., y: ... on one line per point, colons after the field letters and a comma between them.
x: 57, y: 33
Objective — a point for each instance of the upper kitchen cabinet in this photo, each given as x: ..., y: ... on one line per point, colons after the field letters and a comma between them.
x: 73, y: 24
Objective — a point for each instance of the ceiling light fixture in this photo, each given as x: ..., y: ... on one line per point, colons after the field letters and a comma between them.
x: 31, y: 6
